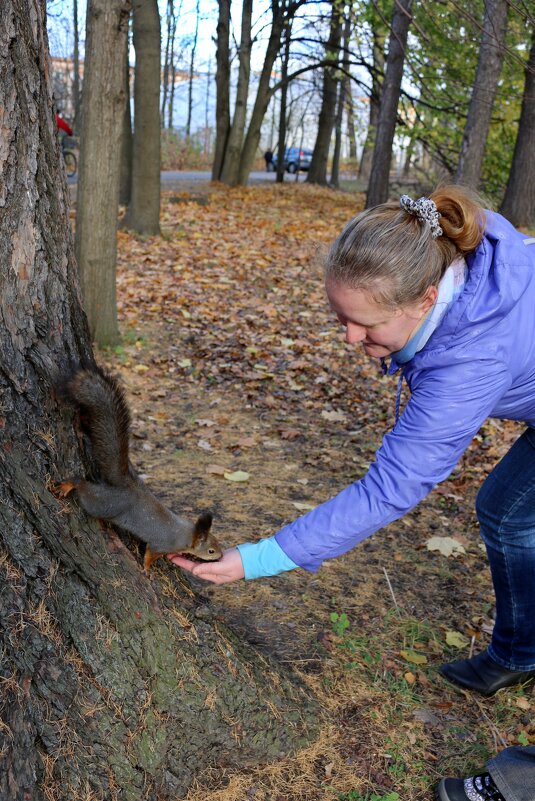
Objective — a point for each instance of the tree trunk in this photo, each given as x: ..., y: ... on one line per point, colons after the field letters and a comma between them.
x: 98, y: 176
x: 192, y: 70
x: 489, y: 67
x: 143, y: 215
x: 341, y: 104
x: 263, y: 94
x: 165, y: 81
x: 231, y: 164
x: 114, y: 685
x: 351, y: 131
x: 386, y: 126
x: 76, y: 69
x: 317, y: 173
x: 283, y: 110
x: 379, y: 40
x: 519, y: 200
x: 222, y: 81
x: 125, y: 181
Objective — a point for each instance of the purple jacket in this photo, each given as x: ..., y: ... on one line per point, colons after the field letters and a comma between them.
x: 479, y: 362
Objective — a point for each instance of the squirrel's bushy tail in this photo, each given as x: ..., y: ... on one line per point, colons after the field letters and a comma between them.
x: 106, y: 420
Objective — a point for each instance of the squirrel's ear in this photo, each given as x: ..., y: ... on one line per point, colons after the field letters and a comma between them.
x: 202, y: 527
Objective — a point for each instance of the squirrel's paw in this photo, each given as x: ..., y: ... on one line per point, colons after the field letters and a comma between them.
x: 60, y: 489
x: 149, y: 558
x: 65, y: 487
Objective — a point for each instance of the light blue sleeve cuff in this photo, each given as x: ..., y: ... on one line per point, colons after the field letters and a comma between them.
x: 264, y: 558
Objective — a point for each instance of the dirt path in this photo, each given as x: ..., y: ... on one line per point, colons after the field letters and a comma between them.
x: 232, y: 360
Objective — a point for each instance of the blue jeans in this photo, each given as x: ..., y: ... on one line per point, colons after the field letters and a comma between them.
x: 506, y: 512
x: 513, y: 771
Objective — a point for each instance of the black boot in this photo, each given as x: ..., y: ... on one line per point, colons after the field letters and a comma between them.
x: 477, y: 788
x: 482, y: 674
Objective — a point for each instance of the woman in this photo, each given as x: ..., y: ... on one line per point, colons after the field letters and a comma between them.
x: 446, y: 291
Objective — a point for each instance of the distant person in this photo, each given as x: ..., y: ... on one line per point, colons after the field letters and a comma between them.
x: 63, y: 125
x: 268, y: 158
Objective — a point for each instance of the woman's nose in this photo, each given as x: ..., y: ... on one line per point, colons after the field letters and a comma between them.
x: 355, y: 333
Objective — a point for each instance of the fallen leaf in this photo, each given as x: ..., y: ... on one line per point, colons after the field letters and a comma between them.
x: 216, y: 470
x: 448, y: 546
x: 334, y: 416
x: 289, y: 433
x: 413, y: 658
x: 456, y: 639
x: 238, y: 476
x: 523, y: 703
x: 409, y: 677
x: 303, y: 507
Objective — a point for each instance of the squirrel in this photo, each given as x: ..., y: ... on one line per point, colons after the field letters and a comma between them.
x: 120, y: 496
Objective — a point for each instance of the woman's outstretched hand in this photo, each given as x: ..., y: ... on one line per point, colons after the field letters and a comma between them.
x: 228, y: 568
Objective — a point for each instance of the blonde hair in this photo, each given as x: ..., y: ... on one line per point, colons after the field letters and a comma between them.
x: 393, y: 255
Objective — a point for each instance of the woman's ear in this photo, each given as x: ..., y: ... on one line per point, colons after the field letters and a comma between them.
x: 428, y: 299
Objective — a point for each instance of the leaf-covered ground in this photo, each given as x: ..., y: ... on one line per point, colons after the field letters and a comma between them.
x: 233, y: 362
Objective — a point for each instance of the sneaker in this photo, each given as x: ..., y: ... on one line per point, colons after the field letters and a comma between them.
x: 476, y: 788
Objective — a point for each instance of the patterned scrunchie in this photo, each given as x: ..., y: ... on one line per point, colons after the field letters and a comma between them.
x: 425, y: 210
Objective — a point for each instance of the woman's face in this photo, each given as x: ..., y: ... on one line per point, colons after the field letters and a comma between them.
x: 381, y: 330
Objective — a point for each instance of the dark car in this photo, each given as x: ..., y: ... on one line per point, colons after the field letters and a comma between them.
x: 295, y: 158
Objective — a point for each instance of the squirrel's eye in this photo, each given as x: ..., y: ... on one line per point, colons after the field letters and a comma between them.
x: 211, y: 550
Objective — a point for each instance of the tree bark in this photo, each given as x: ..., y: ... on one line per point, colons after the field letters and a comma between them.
x: 489, y: 67
x: 222, y: 80
x: 377, y: 75
x: 386, y: 126
x: 519, y: 201
x: 114, y: 686
x: 317, y: 173
x: 143, y: 215
x: 98, y: 175
x: 231, y: 164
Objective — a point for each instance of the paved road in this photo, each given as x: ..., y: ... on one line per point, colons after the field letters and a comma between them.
x: 184, y: 176
x: 183, y: 179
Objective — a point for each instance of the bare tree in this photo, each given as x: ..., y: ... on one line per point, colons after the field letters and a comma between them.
x: 169, y: 56
x: 282, y: 11
x: 222, y: 80
x: 519, y: 200
x: 98, y: 177
x: 344, y: 85
x: 231, y: 164
x: 386, y: 126
x: 143, y: 213
x: 283, y: 108
x: 489, y: 67
x: 192, y: 69
x: 76, y: 68
x: 114, y: 685
x: 125, y: 184
x: 317, y: 173
x: 379, y: 34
